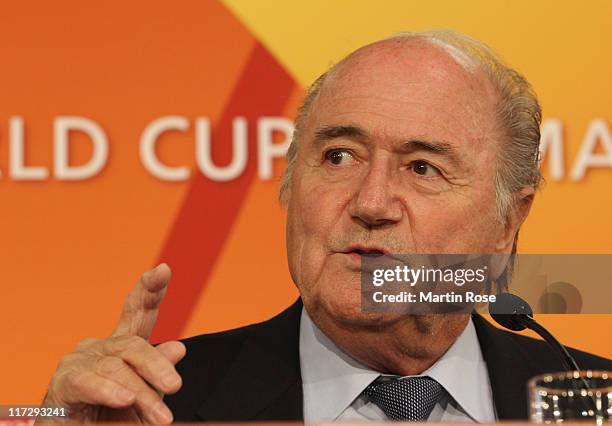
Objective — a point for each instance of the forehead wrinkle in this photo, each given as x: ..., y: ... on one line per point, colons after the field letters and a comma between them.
x: 358, y: 77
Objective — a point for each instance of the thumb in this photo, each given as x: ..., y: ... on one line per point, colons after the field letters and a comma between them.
x: 143, y: 302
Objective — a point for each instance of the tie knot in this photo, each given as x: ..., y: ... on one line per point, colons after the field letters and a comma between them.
x: 405, y: 399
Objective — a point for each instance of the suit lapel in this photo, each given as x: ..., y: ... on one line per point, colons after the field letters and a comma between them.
x: 509, y: 366
x: 264, y: 381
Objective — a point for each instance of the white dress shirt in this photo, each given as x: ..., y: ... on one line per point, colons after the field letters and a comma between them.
x: 332, y: 381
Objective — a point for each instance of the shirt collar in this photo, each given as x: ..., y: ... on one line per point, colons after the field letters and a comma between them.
x: 463, y: 373
x: 332, y: 380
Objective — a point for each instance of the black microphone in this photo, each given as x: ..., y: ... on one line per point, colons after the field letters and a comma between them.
x: 512, y: 312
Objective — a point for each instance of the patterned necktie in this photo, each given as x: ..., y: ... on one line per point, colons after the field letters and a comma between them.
x: 405, y: 399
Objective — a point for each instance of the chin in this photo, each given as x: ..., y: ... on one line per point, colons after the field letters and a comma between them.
x: 345, y: 312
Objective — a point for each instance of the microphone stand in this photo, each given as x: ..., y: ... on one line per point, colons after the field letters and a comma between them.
x: 519, y: 317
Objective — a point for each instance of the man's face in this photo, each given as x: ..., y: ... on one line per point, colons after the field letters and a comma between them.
x: 398, y: 155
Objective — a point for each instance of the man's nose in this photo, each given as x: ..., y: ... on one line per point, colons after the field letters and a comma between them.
x: 375, y: 202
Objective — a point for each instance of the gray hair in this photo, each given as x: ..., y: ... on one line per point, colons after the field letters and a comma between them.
x: 518, y: 111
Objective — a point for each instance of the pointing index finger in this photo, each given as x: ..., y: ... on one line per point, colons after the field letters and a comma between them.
x: 142, y: 303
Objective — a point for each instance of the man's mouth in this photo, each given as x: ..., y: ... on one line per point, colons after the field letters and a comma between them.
x: 364, y: 257
x: 366, y: 251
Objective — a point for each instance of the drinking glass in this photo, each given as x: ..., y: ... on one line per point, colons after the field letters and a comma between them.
x: 571, y: 396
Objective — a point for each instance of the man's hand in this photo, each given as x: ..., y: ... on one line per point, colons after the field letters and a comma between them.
x: 122, y: 377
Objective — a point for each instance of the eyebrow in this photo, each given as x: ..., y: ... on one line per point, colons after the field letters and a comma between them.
x: 327, y: 133
x: 439, y: 148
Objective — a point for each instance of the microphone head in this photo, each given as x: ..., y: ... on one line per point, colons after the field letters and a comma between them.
x: 509, y: 310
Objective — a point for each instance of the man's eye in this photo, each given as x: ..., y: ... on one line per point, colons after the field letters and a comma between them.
x: 423, y: 168
x: 338, y: 156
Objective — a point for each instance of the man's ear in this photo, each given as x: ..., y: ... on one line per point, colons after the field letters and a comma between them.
x: 515, y: 218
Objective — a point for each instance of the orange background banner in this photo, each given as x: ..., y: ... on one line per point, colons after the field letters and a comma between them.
x: 85, y: 211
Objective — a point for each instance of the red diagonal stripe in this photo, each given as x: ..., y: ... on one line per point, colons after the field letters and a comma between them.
x: 210, y: 208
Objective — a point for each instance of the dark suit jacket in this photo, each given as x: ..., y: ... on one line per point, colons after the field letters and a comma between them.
x: 253, y: 373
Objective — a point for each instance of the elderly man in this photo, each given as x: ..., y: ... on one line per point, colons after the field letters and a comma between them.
x: 421, y: 143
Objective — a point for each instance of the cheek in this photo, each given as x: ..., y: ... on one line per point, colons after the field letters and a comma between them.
x: 313, y: 215
x: 456, y: 225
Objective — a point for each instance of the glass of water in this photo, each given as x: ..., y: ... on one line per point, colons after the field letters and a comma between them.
x: 571, y: 396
